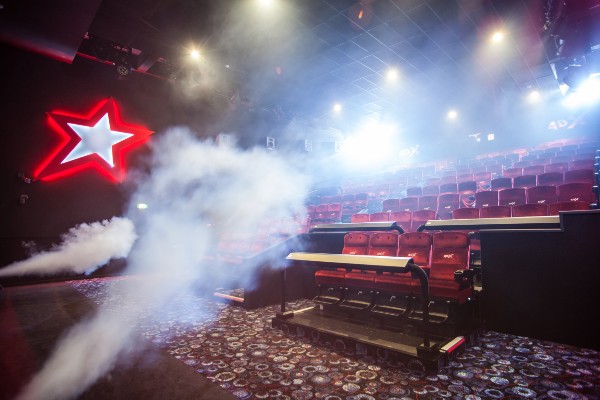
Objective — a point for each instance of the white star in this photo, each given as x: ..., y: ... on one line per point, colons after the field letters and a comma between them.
x: 98, y: 139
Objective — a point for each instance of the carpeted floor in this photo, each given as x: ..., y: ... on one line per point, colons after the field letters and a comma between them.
x: 239, y: 350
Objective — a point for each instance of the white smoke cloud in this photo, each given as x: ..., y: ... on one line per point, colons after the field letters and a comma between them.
x: 83, y: 249
x: 195, y: 191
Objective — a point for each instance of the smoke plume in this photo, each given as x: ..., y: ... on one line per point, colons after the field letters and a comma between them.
x: 195, y: 192
x: 82, y: 250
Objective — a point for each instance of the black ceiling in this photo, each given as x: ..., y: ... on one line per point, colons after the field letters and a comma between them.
x: 299, y: 57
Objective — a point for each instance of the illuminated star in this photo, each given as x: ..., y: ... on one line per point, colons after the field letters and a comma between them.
x: 99, y: 140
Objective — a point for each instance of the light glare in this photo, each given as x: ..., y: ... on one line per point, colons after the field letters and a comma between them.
x: 195, y: 54
x: 534, y: 96
x: 452, y: 114
x: 337, y: 107
x: 392, y: 75
x: 497, y: 37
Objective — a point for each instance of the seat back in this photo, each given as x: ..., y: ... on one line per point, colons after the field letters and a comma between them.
x: 402, y: 219
x: 428, y: 202
x: 542, y: 195
x: 501, y: 183
x: 495, y: 212
x: 486, y: 199
x: 360, y: 201
x: 431, y: 190
x: 575, y: 191
x: 390, y: 205
x: 451, y: 187
x: 421, y: 217
x: 379, y: 217
x: 356, y: 243
x: 557, y: 167
x: 450, y: 252
x: 467, y: 177
x: 409, y: 204
x: 334, y: 207
x: 534, y: 169
x: 383, y: 244
x: 465, y: 213
x: 467, y: 186
x: 446, y: 203
x: 550, y: 178
x: 525, y: 181
x: 451, y: 178
x: 512, y: 197
x: 555, y: 208
x: 582, y: 164
x: 416, y: 245
x: 512, y: 172
x: 530, y: 210
x: 414, y: 191
x: 359, y: 218
x: 579, y: 175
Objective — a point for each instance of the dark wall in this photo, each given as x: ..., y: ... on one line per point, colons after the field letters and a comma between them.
x: 32, y: 85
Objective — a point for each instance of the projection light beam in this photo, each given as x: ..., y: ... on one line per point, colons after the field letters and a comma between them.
x: 84, y: 248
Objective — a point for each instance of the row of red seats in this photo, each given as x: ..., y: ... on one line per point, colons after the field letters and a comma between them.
x: 512, y: 202
x: 440, y: 255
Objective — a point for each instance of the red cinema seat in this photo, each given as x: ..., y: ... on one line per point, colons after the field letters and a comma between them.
x: 512, y: 197
x: 348, y: 204
x: 561, y: 167
x: 495, y: 212
x: 467, y: 177
x: 359, y: 218
x: 446, y: 203
x: 448, y: 188
x: 530, y: 210
x: 534, y: 169
x: 402, y: 219
x: 409, y: 204
x: 428, y: 202
x: 580, y: 175
x: 582, y: 164
x: 379, y: 217
x: 416, y: 245
x: 542, y: 195
x: 360, y: 202
x: 501, y: 183
x: 390, y: 205
x: 555, y: 208
x: 450, y: 253
x: 414, y: 191
x: 486, y: 199
x: 550, y: 178
x: 465, y: 213
x: 525, y: 181
x: 431, y: 190
x: 451, y: 178
x: 380, y: 244
x: 512, y: 172
x: 356, y: 243
x: 576, y: 191
x: 420, y: 218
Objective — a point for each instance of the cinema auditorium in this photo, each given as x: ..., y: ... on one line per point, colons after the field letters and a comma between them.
x: 300, y: 199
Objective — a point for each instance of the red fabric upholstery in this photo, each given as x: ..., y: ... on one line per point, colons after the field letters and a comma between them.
x: 534, y: 169
x: 557, y: 167
x: 409, y: 204
x: 380, y: 244
x: 555, y: 208
x: 359, y: 218
x: 542, y: 194
x: 550, y: 178
x: 486, y: 199
x: 354, y: 243
x: 421, y: 217
x: 512, y: 172
x: 465, y: 213
x: 575, y: 192
x: 428, y: 202
x: 450, y: 252
x: 403, y: 219
x: 501, y: 183
x: 390, y: 205
x: 530, y: 210
x: 495, y: 212
x: 379, y: 217
x: 580, y: 175
x: 446, y: 203
x: 512, y: 197
x: 525, y: 181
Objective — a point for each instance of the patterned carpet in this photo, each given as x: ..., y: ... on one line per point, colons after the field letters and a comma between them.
x: 239, y: 350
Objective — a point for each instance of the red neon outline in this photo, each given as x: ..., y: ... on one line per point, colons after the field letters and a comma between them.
x: 51, y: 168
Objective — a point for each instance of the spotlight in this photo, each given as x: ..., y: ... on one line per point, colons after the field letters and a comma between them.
x: 491, y: 137
x: 497, y: 37
x: 195, y: 54
x: 337, y: 107
x: 142, y: 206
x: 452, y: 114
x: 533, y: 96
x: 392, y: 74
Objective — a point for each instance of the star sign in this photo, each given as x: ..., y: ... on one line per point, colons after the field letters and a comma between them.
x: 99, y: 140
